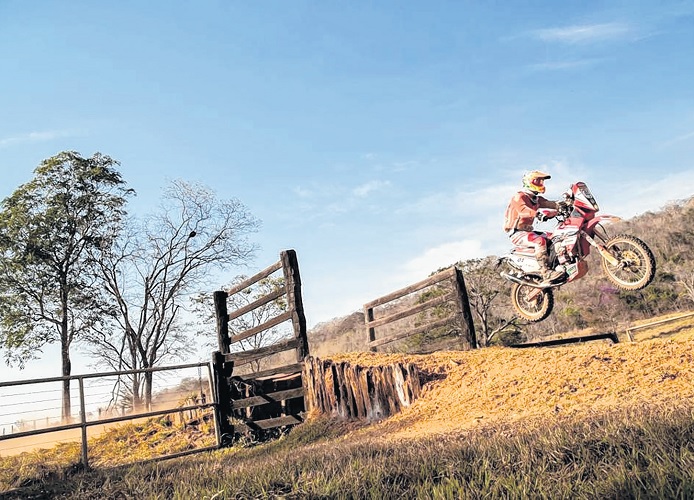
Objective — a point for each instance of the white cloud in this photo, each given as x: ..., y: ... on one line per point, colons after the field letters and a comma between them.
x: 402, y: 166
x: 429, y: 204
x: 323, y: 201
x: 440, y: 256
x: 636, y: 198
x: 489, y: 196
x: 35, y: 137
x: 587, y: 33
x: 302, y: 192
x: 565, y: 65
x: 368, y: 187
x: 680, y: 138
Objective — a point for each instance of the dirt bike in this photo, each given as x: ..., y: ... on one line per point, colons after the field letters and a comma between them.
x: 626, y: 260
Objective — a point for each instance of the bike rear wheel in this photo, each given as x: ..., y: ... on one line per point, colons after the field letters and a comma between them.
x: 531, y: 303
x: 636, y: 264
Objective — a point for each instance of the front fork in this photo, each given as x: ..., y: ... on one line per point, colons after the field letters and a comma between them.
x: 604, y: 252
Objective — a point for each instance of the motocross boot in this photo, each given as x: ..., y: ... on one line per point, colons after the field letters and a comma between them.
x: 549, y: 276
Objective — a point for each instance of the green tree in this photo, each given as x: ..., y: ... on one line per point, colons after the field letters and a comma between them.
x: 48, y: 288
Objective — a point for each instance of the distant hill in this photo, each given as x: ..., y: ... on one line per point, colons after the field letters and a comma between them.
x: 343, y: 334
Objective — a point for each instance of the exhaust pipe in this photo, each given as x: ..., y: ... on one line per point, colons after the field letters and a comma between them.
x: 522, y: 281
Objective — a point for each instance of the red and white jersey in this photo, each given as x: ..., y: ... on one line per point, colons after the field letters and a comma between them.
x: 521, y: 210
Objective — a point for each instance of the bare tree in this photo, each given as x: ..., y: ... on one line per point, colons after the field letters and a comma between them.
x: 154, y: 268
x: 685, y: 279
x: 485, y: 287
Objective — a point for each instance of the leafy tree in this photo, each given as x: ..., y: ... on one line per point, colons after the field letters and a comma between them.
x: 151, y: 271
x: 48, y: 228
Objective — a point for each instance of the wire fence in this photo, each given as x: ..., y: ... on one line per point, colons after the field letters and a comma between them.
x: 32, y: 414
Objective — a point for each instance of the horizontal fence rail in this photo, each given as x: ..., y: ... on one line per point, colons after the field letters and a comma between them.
x: 631, y: 329
x: 457, y: 296
x: 253, y: 394
x: 84, y: 423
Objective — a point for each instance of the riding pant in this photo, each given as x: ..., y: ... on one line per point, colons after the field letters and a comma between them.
x: 535, y: 239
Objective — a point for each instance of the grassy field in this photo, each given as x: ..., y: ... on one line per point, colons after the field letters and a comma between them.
x: 585, y: 421
x: 645, y: 453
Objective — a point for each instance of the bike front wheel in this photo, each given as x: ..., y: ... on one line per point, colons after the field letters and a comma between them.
x: 635, y: 267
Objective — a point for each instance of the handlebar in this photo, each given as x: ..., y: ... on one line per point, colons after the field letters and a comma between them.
x: 564, y: 209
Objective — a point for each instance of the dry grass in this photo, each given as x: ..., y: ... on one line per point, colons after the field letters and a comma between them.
x: 119, y: 445
x: 580, y: 421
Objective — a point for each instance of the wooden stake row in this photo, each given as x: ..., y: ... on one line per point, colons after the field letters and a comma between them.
x: 367, y: 393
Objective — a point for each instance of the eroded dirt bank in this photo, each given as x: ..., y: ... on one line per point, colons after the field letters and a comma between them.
x: 467, y: 389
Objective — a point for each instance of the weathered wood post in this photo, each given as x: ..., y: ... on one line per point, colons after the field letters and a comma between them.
x: 467, y: 325
x: 221, y: 372
x: 292, y: 283
x: 352, y: 391
x: 220, y: 307
x: 368, y: 319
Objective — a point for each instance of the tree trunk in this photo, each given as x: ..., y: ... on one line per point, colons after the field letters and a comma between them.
x: 137, y: 398
x: 66, y: 370
x: 149, y: 376
x: 65, y: 339
x: 136, y: 378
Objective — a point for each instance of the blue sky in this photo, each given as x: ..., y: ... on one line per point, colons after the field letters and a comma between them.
x: 381, y: 140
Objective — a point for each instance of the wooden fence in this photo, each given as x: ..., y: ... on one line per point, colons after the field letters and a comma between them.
x: 260, y: 402
x: 460, y: 314
x: 630, y: 330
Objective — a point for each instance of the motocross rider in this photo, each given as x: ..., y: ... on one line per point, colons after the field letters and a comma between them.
x: 519, y: 217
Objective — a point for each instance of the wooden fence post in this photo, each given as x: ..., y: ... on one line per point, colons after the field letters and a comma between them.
x: 463, y: 302
x: 221, y: 371
x: 368, y: 318
x: 220, y: 307
x: 292, y: 281
x: 353, y: 391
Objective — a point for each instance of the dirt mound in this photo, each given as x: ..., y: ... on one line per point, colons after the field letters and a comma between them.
x: 466, y: 389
